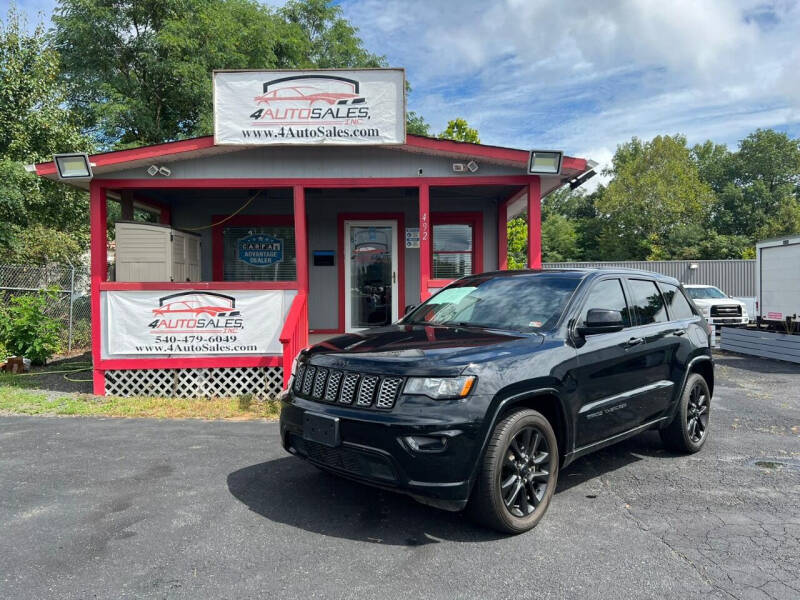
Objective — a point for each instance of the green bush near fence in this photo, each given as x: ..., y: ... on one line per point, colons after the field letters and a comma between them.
x: 27, y: 330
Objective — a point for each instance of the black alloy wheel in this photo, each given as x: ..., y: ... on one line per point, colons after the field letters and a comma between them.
x: 689, y: 429
x: 697, y: 413
x: 518, y: 473
x: 525, y: 471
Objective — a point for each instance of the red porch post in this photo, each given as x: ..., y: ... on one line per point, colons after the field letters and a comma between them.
x: 535, y: 223
x: 502, y: 235
x: 301, y: 237
x: 301, y: 254
x: 99, y: 272
x: 424, y: 241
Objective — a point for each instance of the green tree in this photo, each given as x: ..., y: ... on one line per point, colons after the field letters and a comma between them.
x: 559, y: 239
x: 34, y: 124
x: 656, y: 191
x: 517, y: 243
x: 756, y: 188
x: 416, y: 124
x: 140, y: 71
x: 457, y: 129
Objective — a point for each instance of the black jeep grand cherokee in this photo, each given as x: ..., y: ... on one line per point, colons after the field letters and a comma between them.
x: 478, y: 396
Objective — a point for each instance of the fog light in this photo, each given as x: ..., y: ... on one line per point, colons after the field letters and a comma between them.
x: 426, y: 443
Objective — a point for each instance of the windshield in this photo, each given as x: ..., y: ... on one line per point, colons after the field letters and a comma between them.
x: 704, y: 293
x: 516, y: 303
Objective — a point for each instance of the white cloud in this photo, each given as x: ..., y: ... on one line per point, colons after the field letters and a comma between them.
x: 587, y: 75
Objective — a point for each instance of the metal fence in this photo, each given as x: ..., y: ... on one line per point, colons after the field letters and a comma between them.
x: 734, y: 277
x: 70, y: 306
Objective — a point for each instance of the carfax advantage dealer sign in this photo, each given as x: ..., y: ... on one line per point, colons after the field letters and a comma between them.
x: 358, y: 107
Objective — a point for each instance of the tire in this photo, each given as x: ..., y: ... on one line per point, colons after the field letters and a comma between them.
x: 516, y: 481
x: 688, y: 431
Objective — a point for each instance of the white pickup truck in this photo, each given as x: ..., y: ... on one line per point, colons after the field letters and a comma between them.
x: 717, y: 307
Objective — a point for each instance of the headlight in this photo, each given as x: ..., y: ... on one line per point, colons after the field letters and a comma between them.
x: 706, y: 311
x: 440, y: 388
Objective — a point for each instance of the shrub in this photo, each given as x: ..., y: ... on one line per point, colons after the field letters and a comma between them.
x: 26, y: 329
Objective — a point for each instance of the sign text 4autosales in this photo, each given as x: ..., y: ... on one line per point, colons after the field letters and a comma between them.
x: 309, y: 107
x: 194, y: 322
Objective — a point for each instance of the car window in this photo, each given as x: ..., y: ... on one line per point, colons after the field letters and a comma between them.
x: 516, y: 303
x: 647, y: 303
x: 607, y: 294
x: 677, y: 304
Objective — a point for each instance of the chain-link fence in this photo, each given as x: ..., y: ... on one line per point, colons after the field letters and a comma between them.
x: 71, y: 306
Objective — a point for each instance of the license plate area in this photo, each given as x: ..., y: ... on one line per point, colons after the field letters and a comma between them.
x: 321, y: 429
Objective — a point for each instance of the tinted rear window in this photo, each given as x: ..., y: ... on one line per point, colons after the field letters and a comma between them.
x: 677, y: 304
x: 647, y: 303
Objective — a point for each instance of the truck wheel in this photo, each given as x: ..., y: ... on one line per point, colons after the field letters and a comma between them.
x: 688, y: 431
x: 518, y: 473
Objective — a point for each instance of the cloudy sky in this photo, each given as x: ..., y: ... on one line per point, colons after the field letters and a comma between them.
x: 584, y: 76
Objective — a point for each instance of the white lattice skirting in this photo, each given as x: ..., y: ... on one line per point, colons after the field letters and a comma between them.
x: 263, y: 382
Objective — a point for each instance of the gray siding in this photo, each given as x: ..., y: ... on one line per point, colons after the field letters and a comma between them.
x: 196, y: 208
x: 311, y: 162
x: 734, y: 277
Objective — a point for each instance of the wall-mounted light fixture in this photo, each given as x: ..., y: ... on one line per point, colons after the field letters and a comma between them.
x: 694, y: 266
x: 458, y: 168
x: 73, y: 166
x: 545, y: 162
x: 472, y: 166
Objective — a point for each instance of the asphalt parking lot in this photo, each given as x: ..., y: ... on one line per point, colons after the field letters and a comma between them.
x: 120, y: 508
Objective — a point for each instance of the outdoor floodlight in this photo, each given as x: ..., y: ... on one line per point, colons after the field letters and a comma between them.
x: 545, y: 162
x: 73, y: 166
x: 694, y: 266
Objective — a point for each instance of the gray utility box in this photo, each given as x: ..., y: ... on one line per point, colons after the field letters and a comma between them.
x: 778, y: 278
x: 152, y: 252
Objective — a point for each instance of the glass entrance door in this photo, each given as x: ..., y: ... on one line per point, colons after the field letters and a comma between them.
x: 370, y: 273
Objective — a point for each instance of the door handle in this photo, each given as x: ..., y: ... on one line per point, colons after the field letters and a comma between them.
x: 394, y: 276
x: 679, y: 332
x: 634, y: 342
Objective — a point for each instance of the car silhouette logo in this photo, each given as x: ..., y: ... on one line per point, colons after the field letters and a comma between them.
x: 311, y: 90
x: 197, y: 304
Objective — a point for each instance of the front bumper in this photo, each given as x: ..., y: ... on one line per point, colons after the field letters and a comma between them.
x: 373, y: 446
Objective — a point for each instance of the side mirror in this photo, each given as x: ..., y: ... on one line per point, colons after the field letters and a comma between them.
x: 409, y: 308
x: 602, y: 320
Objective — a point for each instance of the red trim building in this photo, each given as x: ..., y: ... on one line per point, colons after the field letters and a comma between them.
x: 364, y: 231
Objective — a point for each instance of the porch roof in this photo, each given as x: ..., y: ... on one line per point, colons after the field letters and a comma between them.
x: 108, y: 162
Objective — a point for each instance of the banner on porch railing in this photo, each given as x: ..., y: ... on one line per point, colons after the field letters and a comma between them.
x: 195, y: 322
x: 361, y: 106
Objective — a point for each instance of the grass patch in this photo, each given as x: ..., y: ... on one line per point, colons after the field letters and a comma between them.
x: 18, y: 400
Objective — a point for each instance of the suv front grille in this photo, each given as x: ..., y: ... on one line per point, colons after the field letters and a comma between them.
x: 349, y: 388
x: 390, y: 386
x: 366, y: 391
x: 332, y: 391
x: 730, y: 310
x: 345, y: 387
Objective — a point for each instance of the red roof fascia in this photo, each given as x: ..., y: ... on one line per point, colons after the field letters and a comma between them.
x: 478, y: 151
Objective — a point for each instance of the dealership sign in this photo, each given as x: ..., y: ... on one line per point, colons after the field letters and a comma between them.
x: 363, y: 106
x: 194, y: 322
x: 260, y: 250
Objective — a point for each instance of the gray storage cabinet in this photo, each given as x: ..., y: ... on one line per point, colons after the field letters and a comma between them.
x: 152, y: 252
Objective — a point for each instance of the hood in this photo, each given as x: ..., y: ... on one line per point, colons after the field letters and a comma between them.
x: 717, y: 301
x: 423, y: 350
